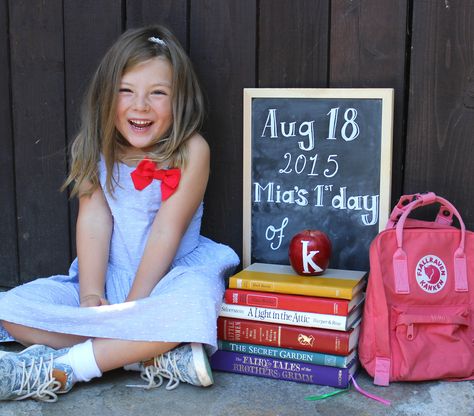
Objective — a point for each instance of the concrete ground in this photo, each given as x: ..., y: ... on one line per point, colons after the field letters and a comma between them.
x: 238, y: 395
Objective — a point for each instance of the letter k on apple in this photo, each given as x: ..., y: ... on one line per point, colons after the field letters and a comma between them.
x: 308, y: 258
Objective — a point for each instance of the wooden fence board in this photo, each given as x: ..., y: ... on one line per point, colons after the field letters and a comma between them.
x: 37, y: 63
x: 368, y: 46
x: 293, y: 44
x: 8, y: 239
x: 170, y: 13
x: 441, y: 103
x: 90, y: 28
x: 223, y: 42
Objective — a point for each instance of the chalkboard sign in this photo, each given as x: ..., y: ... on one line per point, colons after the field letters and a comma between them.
x: 316, y: 159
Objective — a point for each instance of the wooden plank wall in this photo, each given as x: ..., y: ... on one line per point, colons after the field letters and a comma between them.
x: 440, y: 134
x: 424, y: 49
x: 38, y: 119
x: 8, y: 239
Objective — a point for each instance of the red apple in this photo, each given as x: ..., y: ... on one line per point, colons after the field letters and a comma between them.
x: 309, y: 252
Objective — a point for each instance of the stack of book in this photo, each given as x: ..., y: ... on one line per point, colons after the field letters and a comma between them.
x: 274, y: 323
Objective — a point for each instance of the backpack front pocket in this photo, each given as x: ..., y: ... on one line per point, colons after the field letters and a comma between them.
x: 431, y: 342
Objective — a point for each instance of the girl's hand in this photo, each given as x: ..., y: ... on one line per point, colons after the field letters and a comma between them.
x: 93, y: 300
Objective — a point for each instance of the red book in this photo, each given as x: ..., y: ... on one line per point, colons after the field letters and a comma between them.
x: 288, y: 336
x: 331, y: 306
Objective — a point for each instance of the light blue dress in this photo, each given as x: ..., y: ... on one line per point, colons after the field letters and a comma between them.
x: 183, y: 306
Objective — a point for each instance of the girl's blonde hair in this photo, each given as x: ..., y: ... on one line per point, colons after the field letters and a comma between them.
x: 98, y: 133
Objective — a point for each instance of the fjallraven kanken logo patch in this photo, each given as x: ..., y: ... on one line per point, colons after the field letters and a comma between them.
x: 431, y: 273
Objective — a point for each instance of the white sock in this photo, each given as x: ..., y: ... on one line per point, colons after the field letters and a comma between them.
x: 81, y: 359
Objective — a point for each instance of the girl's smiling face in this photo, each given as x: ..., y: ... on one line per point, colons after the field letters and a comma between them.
x: 144, y: 110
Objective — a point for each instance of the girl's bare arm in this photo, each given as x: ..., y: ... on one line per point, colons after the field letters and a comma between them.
x: 94, y: 229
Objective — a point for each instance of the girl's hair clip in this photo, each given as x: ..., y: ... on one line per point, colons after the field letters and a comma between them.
x: 157, y: 40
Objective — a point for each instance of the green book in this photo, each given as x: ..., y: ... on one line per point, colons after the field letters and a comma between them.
x: 340, y: 361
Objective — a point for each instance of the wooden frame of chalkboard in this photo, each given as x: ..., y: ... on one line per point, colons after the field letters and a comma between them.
x: 316, y: 159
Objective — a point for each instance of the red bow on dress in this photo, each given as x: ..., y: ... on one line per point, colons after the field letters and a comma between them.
x: 146, y: 171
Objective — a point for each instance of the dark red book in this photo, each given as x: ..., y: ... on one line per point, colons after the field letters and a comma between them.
x: 313, y: 304
x: 288, y: 336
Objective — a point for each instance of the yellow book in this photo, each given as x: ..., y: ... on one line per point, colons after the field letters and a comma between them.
x: 333, y: 283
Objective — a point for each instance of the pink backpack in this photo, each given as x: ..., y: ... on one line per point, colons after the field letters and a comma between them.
x: 419, y: 308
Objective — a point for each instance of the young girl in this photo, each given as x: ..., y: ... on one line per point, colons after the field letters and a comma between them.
x: 145, y: 283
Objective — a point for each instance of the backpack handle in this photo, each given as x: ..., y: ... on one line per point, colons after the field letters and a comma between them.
x: 444, y: 217
x: 400, y: 264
